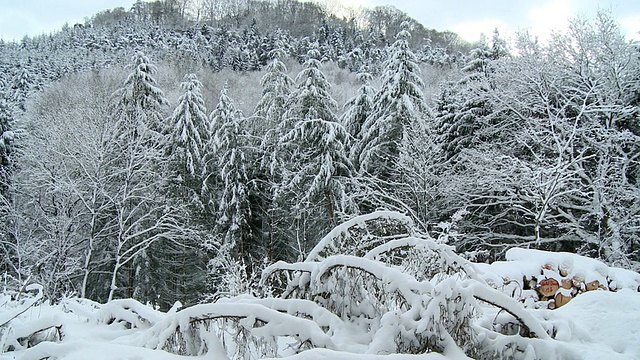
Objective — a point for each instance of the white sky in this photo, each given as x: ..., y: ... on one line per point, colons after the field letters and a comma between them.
x: 468, y: 18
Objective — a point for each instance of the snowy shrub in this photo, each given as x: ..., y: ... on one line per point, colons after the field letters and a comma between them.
x: 241, y: 330
x: 128, y: 312
x: 17, y: 333
x: 401, y: 287
x: 229, y: 277
x: 408, y: 292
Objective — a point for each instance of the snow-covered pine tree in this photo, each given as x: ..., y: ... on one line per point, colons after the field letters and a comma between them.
x: 233, y: 242
x: 233, y: 204
x: 358, y: 109
x: 312, y: 93
x: 316, y: 178
x: 499, y: 47
x: 276, y: 89
x: 140, y: 103
x: 398, y: 103
x: 183, y: 268
x: 6, y: 139
x: 478, y: 58
x: 462, y: 109
x: 142, y: 213
x: 188, y: 135
x: 467, y: 128
x: 224, y: 112
x: 22, y: 84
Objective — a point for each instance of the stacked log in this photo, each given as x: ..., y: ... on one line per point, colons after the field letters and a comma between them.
x: 555, y: 285
x: 542, y: 279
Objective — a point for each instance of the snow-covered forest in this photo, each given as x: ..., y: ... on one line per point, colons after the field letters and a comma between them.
x: 257, y: 179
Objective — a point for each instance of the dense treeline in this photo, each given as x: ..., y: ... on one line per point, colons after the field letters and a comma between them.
x: 218, y: 150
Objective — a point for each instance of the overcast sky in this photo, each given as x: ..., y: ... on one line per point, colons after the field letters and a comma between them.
x: 468, y: 18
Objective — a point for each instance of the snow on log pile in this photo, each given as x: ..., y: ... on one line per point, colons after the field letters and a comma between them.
x: 542, y: 279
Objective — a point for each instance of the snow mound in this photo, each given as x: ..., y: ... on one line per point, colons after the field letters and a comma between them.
x: 608, y: 321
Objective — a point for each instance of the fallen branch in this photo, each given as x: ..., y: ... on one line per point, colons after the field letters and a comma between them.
x: 25, y: 306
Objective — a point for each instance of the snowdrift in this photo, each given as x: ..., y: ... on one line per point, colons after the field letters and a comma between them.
x: 373, y: 288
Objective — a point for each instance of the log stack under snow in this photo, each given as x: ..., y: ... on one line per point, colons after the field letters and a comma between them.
x: 550, y: 280
x: 556, y: 287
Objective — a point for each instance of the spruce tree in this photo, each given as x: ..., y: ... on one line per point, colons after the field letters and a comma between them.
x: 233, y: 242
x: 6, y: 139
x: 316, y: 177
x: 143, y: 218
x: 233, y: 205
x: 223, y: 113
x: 22, y: 84
x: 183, y: 269
x: 188, y: 134
x: 463, y: 108
x: 358, y: 109
x: 276, y: 89
x: 140, y: 103
x: 398, y: 104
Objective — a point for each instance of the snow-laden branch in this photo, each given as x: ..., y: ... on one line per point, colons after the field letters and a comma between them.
x: 258, y: 320
x: 512, y: 306
x: 445, y: 252
x: 26, y: 305
x: 358, y: 221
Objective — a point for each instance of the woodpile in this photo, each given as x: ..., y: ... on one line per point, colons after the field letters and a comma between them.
x: 549, y: 280
x: 555, y: 286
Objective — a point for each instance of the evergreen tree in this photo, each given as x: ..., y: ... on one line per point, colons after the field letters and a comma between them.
x: 316, y: 177
x: 276, y: 89
x: 143, y: 217
x: 461, y: 111
x: 499, y: 48
x: 233, y: 205
x: 22, y: 84
x: 6, y: 139
x: 188, y: 133
x: 233, y: 244
x: 183, y: 268
x: 312, y: 97
x: 358, y: 109
x: 462, y: 108
x: 224, y: 113
x: 397, y: 104
x: 140, y: 103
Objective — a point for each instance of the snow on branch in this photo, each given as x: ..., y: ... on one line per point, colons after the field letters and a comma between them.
x: 306, y: 309
x: 130, y: 312
x: 236, y: 327
x: 449, y: 263
x: 28, y: 303
x: 359, y: 222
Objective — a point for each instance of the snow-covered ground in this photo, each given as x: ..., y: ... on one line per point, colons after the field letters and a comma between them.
x: 407, y: 295
x: 595, y: 325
